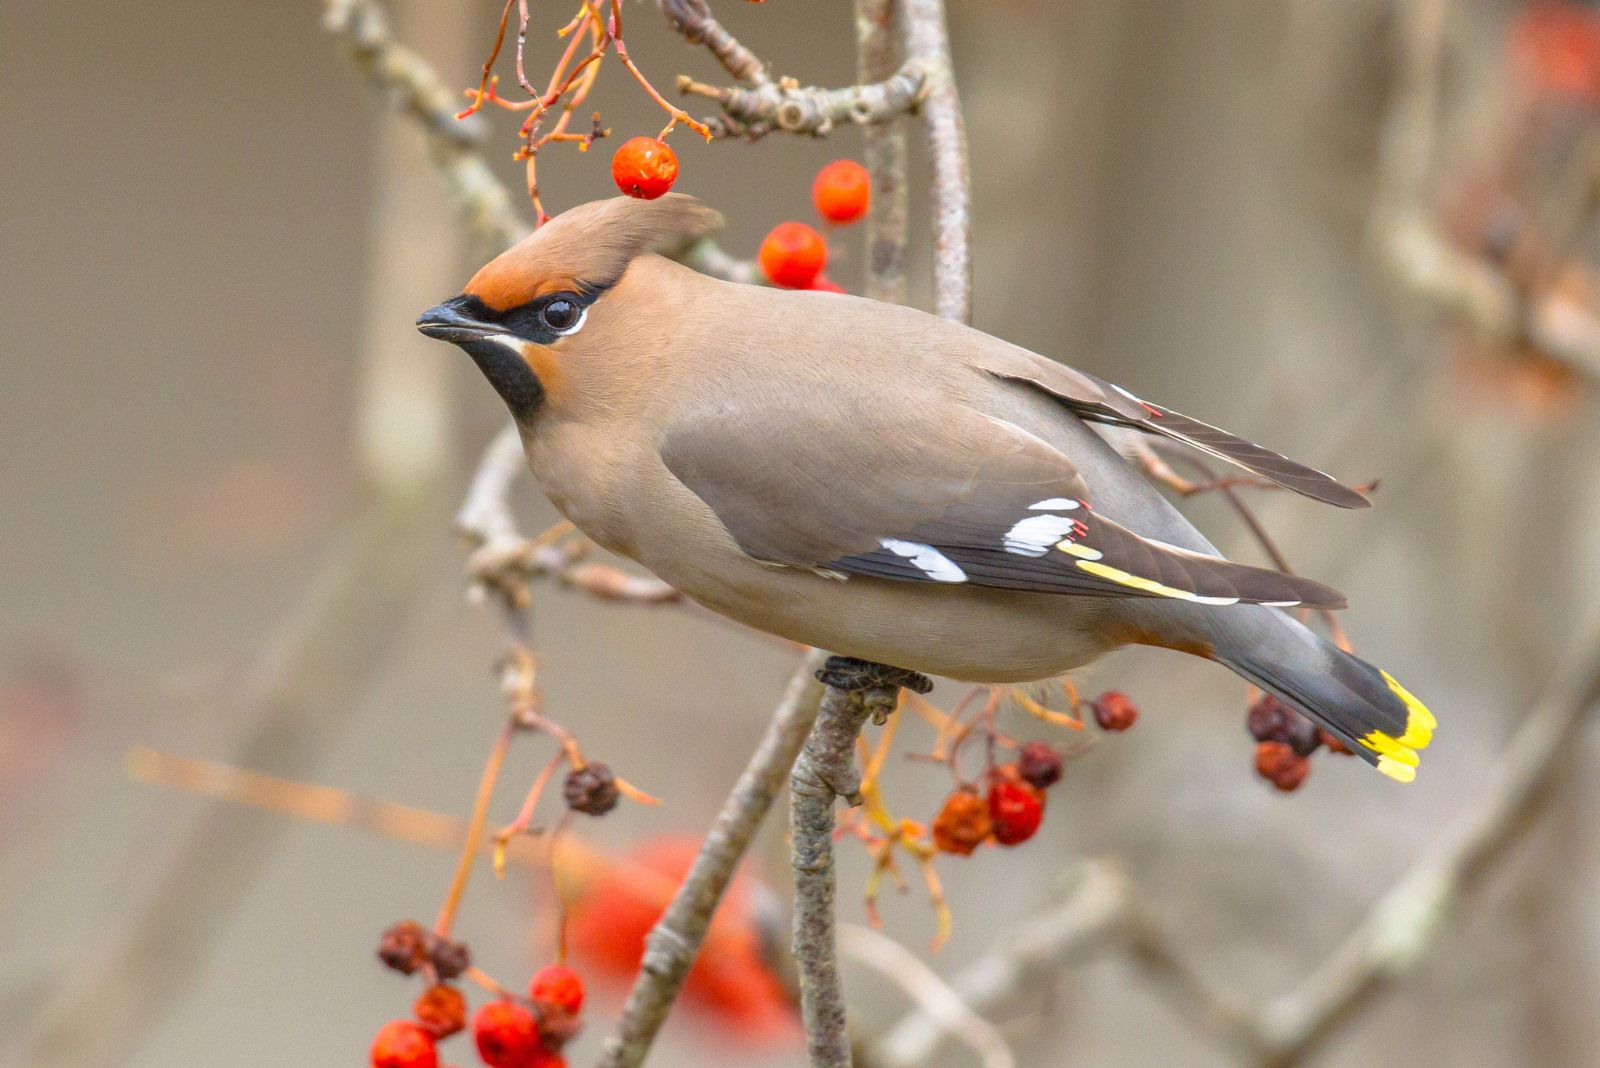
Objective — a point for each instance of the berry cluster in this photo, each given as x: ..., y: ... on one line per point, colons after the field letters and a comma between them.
x: 509, y: 1032
x: 794, y: 254
x: 1285, y: 741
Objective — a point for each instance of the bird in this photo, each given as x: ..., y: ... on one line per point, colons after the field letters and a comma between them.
x: 879, y: 482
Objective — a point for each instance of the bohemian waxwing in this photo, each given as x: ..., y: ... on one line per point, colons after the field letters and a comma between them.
x: 878, y: 482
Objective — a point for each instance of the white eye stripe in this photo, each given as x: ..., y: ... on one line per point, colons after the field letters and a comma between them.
x: 510, y: 341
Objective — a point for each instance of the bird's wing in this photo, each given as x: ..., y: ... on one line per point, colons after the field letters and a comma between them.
x: 1096, y: 400
x: 946, y: 496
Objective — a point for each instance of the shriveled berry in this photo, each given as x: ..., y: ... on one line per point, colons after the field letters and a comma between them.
x: 842, y: 191
x: 1270, y: 720
x: 404, y: 946
x: 1279, y: 764
x: 449, y: 958
x: 556, y: 984
x: 1113, y: 711
x: 592, y: 789
x: 1039, y: 764
x: 644, y: 167
x: 441, y: 1009
x: 1015, y: 811
x: 404, y: 1044
x: 962, y: 824
x: 793, y: 254
x: 506, y: 1034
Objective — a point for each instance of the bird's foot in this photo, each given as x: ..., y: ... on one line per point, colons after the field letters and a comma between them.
x: 849, y: 674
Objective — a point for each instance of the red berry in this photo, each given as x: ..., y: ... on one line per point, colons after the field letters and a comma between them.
x: 842, y: 191
x: 1270, y: 720
x: 547, y: 1059
x: 793, y: 254
x: 556, y: 984
x: 507, y: 1035
x: 1015, y: 810
x: 644, y: 167
x: 1113, y: 711
x: 823, y: 284
x: 1279, y: 764
x: 962, y: 824
x: 404, y: 1044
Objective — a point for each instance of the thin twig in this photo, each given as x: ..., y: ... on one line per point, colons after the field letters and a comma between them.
x: 675, y: 940
x: 928, y: 40
x: 931, y: 993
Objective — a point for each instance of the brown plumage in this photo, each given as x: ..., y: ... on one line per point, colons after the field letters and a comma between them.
x: 875, y: 481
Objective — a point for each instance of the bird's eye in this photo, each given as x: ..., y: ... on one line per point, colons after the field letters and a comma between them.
x: 562, y: 315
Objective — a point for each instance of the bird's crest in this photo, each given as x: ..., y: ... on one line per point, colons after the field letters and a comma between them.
x: 589, y: 247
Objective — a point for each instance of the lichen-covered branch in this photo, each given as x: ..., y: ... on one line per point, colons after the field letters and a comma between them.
x: 789, y: 107
x: 928, y: 41
x: 876, y: 52
x: 674, y: 942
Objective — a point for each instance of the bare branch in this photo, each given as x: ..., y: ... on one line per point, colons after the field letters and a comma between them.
x: 675, y: 940
x: 886, y: 159
x: 928, y: 41
x: 787, y: 106
x: 693, y: 19
x: 894, y: 962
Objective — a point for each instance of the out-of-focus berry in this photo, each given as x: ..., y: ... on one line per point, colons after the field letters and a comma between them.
x: 823, y: 284
x: 592, y: 789
x: 842, y: 191
x: 1113, y: 711
x: 793, y: 254
x: 1039, y: 764
x: 1015, y: 811
x: 1270, y: 720
x: 449, y: 958
x: 1279, y: 764
x: 507, y: 1035
x: 1333, y: 744
x: 441, y: 1009
x: 556, y: 984
x: 404, y: 946
x: 644, y: 167
x: 404, y: 1044
x: 962, y: 824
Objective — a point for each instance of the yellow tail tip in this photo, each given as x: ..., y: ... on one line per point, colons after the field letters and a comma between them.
x: 1395, y: 770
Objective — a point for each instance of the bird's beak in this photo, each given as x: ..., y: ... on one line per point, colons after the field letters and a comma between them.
x: 449, y: 322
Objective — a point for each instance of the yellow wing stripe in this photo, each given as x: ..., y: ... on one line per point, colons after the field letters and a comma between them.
x: 1138, y: 582
x: 1397, y: 757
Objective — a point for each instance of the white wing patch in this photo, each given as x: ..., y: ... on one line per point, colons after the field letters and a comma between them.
x: 1037, y: 534
x: 1054, y: 504
x: 930, y: 561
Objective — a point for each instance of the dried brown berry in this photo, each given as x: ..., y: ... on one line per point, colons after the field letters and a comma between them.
x: 441, y: 1009
x: 449, y: 958
x: 1334, y: 745
x: 962, y: 824
x: 1279, y: 764
x: 592, y: 789
x: 1270, y: 720
x: 404, y: 946
x: 1113, y: 711
x: 1039, y: 764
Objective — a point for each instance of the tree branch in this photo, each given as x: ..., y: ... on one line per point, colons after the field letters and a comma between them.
x: 927, y: 40
x: 886, y: 159
x: 674, y: 942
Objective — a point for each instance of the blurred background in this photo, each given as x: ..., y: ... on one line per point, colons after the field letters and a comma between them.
x: 1361, y: 233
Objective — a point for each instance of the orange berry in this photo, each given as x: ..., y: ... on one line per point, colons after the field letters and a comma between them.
x: 823, y: 284
x: 644, y: 167
x: 441, y: 1009
x: 1015, y: 810
x: 404, y: 1044
x: 507, y: 1035
x: 962, y: 824
x: 842, y: 191
x: 1279, y: 764
x: 556, y: 984
x: 792, y: 255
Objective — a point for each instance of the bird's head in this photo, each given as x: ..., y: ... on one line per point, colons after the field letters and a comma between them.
x: 551, y: 297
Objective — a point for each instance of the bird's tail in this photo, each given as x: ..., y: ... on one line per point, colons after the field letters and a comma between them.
x: 1361, y: 705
